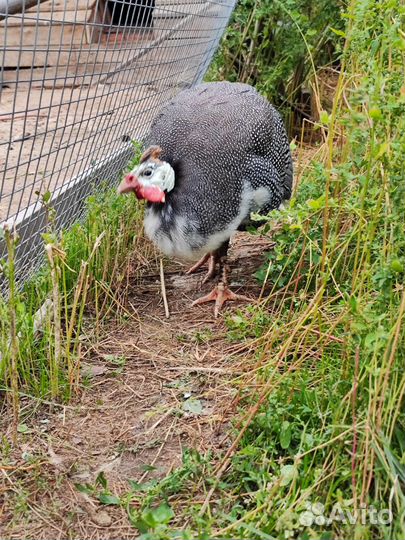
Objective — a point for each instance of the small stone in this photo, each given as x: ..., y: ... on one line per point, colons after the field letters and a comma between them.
x: 101, y: 518
x: 93, y: 370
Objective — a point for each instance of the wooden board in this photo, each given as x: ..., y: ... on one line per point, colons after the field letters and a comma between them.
x: 46, y: 18
x: 82, y: 53
x: 57, y: 77
x: 63, y: 5
x: 34, y: 57
x: 30, y: 36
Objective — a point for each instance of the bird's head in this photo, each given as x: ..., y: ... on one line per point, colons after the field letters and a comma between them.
x: 151, y: 179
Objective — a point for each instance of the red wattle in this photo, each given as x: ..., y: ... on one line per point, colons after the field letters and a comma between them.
x: 153, y: 194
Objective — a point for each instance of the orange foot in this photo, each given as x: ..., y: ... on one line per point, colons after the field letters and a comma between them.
x: 211, y: 266
x: 220, y: 294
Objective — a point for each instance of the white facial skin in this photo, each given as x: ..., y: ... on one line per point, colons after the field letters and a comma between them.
x: 155, y: 174
x: 151, y: 180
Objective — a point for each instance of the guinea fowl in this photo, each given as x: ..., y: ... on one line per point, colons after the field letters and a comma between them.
x: 215, y: 154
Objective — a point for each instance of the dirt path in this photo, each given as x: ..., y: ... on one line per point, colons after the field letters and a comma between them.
x: 156, y: 386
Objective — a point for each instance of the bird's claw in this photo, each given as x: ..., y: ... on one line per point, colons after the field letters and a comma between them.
x: 220, y: 294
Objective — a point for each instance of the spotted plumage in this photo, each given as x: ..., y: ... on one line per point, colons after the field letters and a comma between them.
x: 215, y: 154
x: 230, y: 154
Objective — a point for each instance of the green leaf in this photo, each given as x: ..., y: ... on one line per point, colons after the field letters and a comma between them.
x: 369, y: 340
x: 288, y: 473
x: 285, y: 435
x: 260, y: 275
x: 84, y: 488
x: 136, y: 486
x: 400, y: 436
x: 381, y: 150
x: 146, y: 521
x: 140, y: 525
x: 46, y: 197
x: 105, y: 498
x: 135, y: 519
x: 48, y: 238
x: 193, y: 406
x: 353, y: 304
x: 153, y: 517
x: 316, y: 204
x: 101, y: 480
x: 376, y: 114
x: 162, y: 514
x: 148, y: 468
x: 397, y: 266
x: 338, y: 32
x: 293, y: 145
x: 324, y: 118
x: 307, y: 439
x: 238, y: 320
x: 22, y: 428
x: 146, y: 486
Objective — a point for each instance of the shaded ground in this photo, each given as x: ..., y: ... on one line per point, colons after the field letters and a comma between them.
x: 155, y: 387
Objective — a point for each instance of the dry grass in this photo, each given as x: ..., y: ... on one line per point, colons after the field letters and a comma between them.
x: 130, y: 412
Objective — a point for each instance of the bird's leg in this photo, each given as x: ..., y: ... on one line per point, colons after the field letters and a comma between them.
x: 221, y: 293
x: 212, y: 259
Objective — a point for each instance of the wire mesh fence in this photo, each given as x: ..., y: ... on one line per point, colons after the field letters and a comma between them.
x: 80, y: 80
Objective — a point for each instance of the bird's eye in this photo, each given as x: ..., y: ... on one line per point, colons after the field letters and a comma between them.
x: 147, y: 172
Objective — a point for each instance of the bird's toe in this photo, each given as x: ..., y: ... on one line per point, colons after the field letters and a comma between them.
x: 221, y: 294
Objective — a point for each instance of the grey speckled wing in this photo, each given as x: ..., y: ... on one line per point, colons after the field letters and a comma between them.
x: 231, y: 155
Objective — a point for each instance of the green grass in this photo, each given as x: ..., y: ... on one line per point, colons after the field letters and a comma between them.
x: 276, y: 46
x: 84, y: 278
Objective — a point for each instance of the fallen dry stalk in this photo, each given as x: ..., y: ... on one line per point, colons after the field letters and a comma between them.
x: 163, y: 285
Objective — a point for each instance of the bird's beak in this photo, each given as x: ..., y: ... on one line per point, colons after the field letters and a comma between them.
x: 129, y: 183
x: 149, y: 192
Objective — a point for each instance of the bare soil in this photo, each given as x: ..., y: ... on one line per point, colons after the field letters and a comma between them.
x: 131, y: 410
